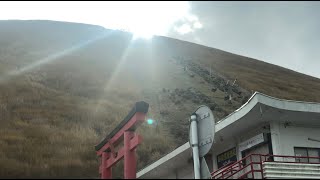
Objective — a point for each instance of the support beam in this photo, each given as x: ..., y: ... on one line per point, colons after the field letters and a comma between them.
x: 136, y: 120
x: 140, y: 108
x: 134, y: 142
x: 113, y: 160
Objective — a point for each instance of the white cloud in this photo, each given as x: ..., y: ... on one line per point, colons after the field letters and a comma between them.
x: 191, y: 18
x: 184, y: 29
x: 197, y: 25
x: 189, y: 24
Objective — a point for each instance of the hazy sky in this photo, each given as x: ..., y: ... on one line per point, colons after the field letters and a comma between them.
x: 281, y: 33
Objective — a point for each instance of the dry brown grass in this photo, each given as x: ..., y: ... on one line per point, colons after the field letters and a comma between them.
x: 51, y: 117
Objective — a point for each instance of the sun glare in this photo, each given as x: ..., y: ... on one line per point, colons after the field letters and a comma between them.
x: 142, y: 18
x: 145, y: 19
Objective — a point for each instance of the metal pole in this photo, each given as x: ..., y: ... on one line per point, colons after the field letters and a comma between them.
x: 195, y: 148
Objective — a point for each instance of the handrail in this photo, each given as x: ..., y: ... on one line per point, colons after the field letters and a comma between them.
x: 230, y: 163
x: 230, y: 170
x: 227, y: 170
x: 230, y: 166
x: 238, y: 166
x: 251, y: 170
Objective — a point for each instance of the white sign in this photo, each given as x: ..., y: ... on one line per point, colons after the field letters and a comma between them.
x: 205, y: 128
x: 251, y: 142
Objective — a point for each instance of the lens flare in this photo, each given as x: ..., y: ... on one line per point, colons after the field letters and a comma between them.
x: 150, y: 121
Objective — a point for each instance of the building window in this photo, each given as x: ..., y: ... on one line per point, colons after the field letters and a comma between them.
x: 227, y: 157
x: 307, y: 152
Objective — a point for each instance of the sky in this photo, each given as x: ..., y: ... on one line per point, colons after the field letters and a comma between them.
x: 281, y: 33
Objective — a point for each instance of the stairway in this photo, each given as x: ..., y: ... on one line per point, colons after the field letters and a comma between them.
x: 278, y: 170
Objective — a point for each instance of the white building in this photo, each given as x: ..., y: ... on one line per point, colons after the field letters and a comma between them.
x: 264, y: 125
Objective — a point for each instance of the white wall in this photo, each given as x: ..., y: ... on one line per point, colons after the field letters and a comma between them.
x: 284, y: 139
x: 291, y: 137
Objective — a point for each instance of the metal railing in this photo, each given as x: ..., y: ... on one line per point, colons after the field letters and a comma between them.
x: 252, y: 164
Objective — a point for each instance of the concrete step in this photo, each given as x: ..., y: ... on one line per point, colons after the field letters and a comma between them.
x: 317, y: 169
x: 291, y: 170
x: 290, y: 164
x: 284, y: 172
x: 289, y: 177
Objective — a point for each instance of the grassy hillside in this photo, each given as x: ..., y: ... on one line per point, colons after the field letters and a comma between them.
x: 64, y: 86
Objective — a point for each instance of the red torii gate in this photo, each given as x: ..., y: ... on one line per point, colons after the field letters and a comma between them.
x: 126, y: 129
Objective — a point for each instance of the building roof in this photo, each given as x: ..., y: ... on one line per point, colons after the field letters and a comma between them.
x: 259, y: 109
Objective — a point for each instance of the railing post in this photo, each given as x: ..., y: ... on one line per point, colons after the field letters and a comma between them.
x: 240, y: 168
x: 261, y: 169
x: 252, y: 172
x: 223, y: 174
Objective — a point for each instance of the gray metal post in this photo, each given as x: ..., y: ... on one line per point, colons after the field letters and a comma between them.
x: 195, y: 146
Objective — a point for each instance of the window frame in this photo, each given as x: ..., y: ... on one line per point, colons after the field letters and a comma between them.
x: 307, y: 149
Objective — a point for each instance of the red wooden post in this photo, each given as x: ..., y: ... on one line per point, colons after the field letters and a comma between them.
x: 106, y: 172
x: 129, y: 156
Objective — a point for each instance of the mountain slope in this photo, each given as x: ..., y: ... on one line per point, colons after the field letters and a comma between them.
x: 64, y: 86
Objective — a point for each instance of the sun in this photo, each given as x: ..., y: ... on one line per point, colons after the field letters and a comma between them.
x: 145, y: 19
x: 143, y: 33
